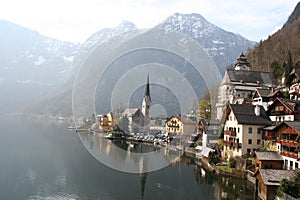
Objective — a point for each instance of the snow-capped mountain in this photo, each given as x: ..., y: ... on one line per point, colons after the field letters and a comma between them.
x: 223, y: 46
x: 31, y: 65
x: 28, y: 57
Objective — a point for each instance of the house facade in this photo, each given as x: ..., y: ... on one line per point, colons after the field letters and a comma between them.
x: 288, y: 143
x: 242, y: 129
x: 284, y: 110
x: 265, y: 97
x: 135, y: 119
x: 268, y: 160
x: 180, y: 124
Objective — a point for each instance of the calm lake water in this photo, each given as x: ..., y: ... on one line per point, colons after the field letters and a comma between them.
x: 44, y: 160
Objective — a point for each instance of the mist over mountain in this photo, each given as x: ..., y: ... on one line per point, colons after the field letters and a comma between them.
x: 31, y: 60
x: 31, y: 65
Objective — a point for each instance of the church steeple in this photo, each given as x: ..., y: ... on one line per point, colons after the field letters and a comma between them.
x: 146, y: 103
x: 147, y: 90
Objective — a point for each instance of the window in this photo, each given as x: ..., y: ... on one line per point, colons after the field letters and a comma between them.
x: 238, y: 130
x: 230, y: 118
x: 258, y: 141
x: 296, y: 165
x: 250, y: 130
x: 258, y: 130
x: 249, y: 141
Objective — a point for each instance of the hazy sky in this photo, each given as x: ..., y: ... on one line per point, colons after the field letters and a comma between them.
x: 76, y: 20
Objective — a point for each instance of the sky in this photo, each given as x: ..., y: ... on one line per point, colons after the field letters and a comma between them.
x: 76, y: 20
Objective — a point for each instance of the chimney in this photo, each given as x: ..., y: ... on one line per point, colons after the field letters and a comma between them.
x: 257, y: 110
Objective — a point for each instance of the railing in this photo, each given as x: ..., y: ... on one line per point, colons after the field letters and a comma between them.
x: 289, y: 143
x: 289, y: 154
x: 230, y: 133
x: 227, y: 143
x: 277, y: 112
x: 293, y: 90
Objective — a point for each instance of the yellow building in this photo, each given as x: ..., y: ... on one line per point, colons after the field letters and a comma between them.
x: 106, y: 122
x: 181, y: 124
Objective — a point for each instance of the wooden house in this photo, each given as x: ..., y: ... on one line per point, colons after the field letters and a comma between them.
x: 268, y: 180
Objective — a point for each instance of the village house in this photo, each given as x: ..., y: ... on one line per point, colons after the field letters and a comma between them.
x: 293, y: 82
x: 240, y: 82
x: 211, y: 129
x: 242, y: 129
x: 284, y: 110
x: 268, y: 180
x: 265, y: 97
x: 288, y: 140
x: 157, y: 125
x: 135, y: 118
x: 268, y: 160
x: 106, y: 122
x: 181, y: 124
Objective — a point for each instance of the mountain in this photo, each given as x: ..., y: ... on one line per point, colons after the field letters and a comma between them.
x: 223, y: 46
x: 54, y: 64
x: 31, y: 65
x: 277, y: 47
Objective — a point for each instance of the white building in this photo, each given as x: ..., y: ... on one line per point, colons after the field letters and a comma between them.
x: 242, y: 129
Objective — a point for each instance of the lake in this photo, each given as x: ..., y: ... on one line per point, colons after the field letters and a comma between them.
x: 42, y: 159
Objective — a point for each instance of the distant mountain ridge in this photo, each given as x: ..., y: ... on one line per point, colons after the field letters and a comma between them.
x: 49, y: 63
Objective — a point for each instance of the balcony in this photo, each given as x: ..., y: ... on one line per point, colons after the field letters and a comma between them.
x: 228, y: 143
x: 268, y: 137
x: 277, y: 112
x: 289, y: 143
x: 230, y: 133
x: 237, y: 145
x: 294, y: 90
x: 289, y: 154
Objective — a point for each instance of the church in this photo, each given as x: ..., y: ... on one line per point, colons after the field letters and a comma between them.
x: 138, y: 120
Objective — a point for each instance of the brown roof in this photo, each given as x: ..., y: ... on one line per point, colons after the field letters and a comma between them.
x: 245, y: 114
x: 274, y: 176
x: 268, y: 155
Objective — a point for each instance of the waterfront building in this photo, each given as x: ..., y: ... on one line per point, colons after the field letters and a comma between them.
x: 242, y: 129
x: 106, y: 122
x: 181, y: 124
x: 211, y: 129
x: 135, y: 119
x: 240, y: 82
x: 268, y: 180
x: 268, y: 160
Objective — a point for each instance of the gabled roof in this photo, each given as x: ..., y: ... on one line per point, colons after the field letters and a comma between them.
x: 268, y: 155
x: 245, y: 114
x: 254, y: 77
x: 185, y: 119
x: 294, y: 125
x: 130, y: 111
x: 292, y: 105
x: 274, y: 176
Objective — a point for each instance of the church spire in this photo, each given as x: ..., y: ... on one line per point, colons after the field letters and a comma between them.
x: 147, y: 90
